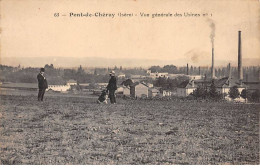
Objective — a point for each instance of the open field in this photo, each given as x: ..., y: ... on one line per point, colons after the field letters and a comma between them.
x: 76, y: 130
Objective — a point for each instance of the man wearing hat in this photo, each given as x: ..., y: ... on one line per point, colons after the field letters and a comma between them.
x: 112, y: 87
x: 42, y: 84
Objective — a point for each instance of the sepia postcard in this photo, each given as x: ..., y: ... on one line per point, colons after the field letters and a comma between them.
x: 129, y: 82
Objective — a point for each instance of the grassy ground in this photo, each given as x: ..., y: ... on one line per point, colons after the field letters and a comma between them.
x: 74, y: 130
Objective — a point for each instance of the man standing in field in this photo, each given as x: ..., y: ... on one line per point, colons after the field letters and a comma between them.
x: 112, y: 87
x: 42, y: 84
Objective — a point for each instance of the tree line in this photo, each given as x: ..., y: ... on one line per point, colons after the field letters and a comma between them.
x: 100, y: 75
x: 57, y: 76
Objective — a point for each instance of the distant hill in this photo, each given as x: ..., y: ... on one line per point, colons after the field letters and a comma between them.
x: 110, y: 62
x: 75, y: 62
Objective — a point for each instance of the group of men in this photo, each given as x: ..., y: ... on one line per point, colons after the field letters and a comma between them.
x: 111, y: 87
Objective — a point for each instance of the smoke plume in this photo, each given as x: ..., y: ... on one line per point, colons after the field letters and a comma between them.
x: 197, y: 56
x: 212, y: 34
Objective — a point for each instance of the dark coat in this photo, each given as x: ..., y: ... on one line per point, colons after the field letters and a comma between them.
x: 42, y: 82
x: 112, y: 84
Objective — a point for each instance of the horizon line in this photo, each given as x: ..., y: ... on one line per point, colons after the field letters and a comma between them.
x: 127, y: 67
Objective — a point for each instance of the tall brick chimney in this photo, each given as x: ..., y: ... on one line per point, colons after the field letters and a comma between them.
x: 240, y: 70
x: 229, y: 71
x: 212, y: 66
x: 187, y: 69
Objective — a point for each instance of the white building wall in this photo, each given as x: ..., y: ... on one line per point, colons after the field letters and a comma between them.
x: 195, y: 77
x: 71, y: 83
x: 141, y: 90
x: 120, y: 89
x: 189, y: 91
x: 223, y: 90
x: 181, y: 92
x: 126, y: 91
x: 240, y: 90
x: 121, y: 76
x: 59, y: 88
x: 167, y: 93
x: 153, y: 93
x: 150, y: 85
x: 157, y: 75
x: 226, y: 90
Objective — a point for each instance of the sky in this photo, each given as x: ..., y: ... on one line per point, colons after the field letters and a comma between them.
x: 29, y: 29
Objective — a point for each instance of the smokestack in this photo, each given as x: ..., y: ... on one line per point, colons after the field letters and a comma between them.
x: 212, y: 66
x: 199, y: 70
x: 187, y: 69
x: 240, y: 72
x: 229, y: 71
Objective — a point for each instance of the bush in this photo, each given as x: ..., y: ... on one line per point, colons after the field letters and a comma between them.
x: 213, y: 94
x: 233, y: 92
x: 245, y: 94
x: 200, y: 92
x: 255, y: 96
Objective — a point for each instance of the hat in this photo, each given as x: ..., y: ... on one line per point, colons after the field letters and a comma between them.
x: 112, y: 73
x: 42, y: 69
